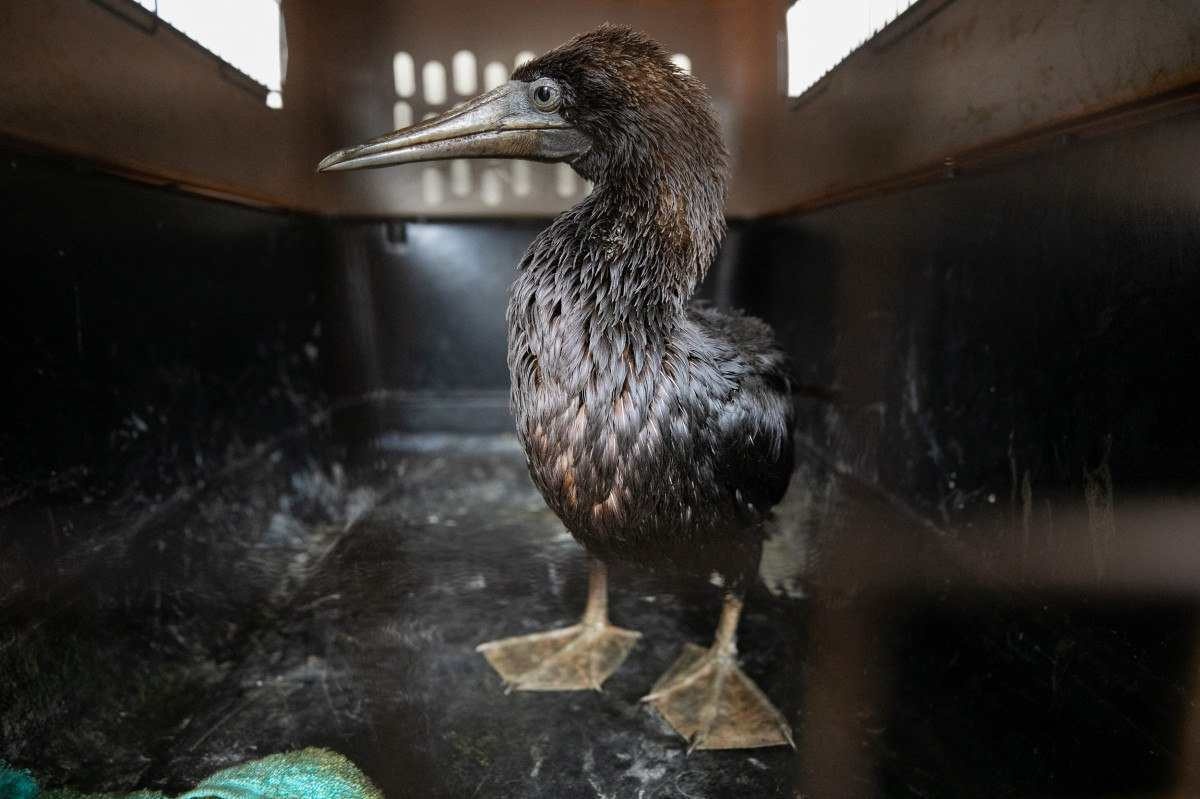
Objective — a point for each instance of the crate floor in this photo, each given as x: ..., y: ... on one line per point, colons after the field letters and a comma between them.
x: 309, y: 598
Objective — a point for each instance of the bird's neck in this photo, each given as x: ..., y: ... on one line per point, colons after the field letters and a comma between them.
x: 606, y: 286
x: 638, y: 245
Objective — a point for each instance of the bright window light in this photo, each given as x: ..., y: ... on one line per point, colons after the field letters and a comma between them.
x: 821, y: 33
x: 491, y: 189
x: 405, y: 73
x: 463, y: 68
x: 402, y: 115
x: 433, y: 82
x: 246, y: 34
x: 460, y: 178
x: 522, y: 178
x: 564, y: 180
x: 494, y: 74
x: 433, y: 185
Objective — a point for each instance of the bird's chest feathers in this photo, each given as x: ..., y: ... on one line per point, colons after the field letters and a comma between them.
x: 596, y: 403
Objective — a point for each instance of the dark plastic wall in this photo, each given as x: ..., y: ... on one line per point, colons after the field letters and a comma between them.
x: 1025, y: 332
x: 147, y: 337
x: 1017, y: 357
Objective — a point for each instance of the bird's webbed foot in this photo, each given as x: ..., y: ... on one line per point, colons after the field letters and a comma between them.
x: 710, y: 701
x: 575, y: 658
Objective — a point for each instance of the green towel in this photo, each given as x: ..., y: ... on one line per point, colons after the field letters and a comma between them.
x: 307, y: 774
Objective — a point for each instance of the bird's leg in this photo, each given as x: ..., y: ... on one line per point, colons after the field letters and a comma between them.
x: 574, y: 658
x: 710, y: 701
x: 596, y: 611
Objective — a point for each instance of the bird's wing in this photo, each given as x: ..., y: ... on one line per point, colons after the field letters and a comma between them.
x: 754, y: 420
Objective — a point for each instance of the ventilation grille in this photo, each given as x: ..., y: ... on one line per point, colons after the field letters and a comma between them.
x: 430, y: 88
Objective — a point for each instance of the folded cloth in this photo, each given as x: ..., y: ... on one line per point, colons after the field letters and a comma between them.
x: 305, y: 774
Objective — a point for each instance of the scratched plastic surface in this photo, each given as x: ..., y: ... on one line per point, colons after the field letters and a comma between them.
x: 342, y: 603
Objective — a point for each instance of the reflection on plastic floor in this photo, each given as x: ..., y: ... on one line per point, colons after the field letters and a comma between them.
x: 299, y: 602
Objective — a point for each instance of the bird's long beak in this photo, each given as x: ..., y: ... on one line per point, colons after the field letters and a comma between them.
x: 499, y: 124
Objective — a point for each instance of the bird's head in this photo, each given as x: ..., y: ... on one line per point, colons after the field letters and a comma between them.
x: 609, y: 102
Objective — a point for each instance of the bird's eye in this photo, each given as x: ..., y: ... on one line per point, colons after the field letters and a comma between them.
x: 546, y: 95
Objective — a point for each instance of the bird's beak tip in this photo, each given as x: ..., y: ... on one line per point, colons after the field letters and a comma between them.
x: 331, y: 162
